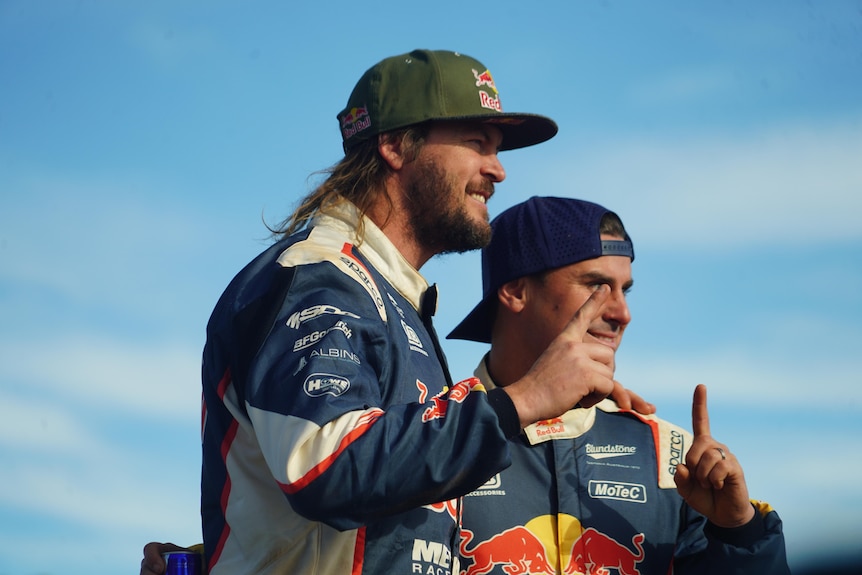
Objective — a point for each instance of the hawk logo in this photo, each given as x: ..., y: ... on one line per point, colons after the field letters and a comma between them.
x: 319, y: 384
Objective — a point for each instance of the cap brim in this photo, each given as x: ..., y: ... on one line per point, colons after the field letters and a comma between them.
x: 519, y: 130
x: 477, y: 325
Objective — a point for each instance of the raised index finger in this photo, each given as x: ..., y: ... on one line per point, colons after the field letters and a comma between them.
x: 589, y: 312
x: 699, y: 413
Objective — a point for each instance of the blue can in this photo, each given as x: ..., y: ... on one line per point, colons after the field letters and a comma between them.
x: 182, y: 563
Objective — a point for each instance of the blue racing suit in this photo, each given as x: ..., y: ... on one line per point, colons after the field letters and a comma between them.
x: 333, y: 438
x: 592, y: 492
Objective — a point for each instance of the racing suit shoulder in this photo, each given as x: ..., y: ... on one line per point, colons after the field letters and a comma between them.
x: 672, y: 442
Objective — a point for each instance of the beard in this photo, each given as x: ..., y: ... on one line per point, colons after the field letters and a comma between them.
x: 437, y: 214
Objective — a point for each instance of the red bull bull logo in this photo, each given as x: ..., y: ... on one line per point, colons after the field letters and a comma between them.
x: 484, y: 79
x: 449, y: 507
x: 594, y: 553
x: 486, y: 100
x: 457, y: 394
x: 354, y: 121
x: 550, y: 544
x: 517, y: 551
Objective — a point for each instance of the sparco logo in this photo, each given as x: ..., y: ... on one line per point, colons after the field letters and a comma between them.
x: 677, y: 448
x: 617, y: 490
x: 300, y: 317
x: 318, y: 384
x: 363, y: 277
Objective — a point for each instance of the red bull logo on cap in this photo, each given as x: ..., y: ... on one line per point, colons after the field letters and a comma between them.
x: 484, y: 79
x: 354, y: 121
x: 486, y: 100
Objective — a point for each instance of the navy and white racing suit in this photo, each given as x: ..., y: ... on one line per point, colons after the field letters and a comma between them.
x: 593, y: 492
x: 333, y: 438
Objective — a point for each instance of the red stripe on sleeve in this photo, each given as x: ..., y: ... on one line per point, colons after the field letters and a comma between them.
x: 364, y: 424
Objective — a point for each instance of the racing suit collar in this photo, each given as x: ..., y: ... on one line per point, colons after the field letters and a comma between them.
x: 378, y: 250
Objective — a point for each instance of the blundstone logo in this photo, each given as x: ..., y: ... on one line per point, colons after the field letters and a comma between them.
x: 606, y: 451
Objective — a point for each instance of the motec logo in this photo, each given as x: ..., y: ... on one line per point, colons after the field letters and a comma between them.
x: 616, y: 490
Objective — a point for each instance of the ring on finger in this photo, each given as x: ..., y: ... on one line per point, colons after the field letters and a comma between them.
x: 721, y: 451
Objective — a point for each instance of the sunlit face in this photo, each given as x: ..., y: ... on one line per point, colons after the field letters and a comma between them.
x: 553, y: 299
x: 450, y: 183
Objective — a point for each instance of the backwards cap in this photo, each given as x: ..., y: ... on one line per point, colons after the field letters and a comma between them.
x: 540, y: 234
x: 433, y: 85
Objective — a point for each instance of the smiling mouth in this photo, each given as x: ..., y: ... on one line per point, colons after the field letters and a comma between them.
x: 610, y: 341
x: 481, y: 198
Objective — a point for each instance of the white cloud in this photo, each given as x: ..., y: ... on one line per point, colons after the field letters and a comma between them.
x: 784, y: 185
x: 35, y: 426
x: 103, y: 496
x: 683, y: 86
x: 158, y: 380
x: 731, y: 374
x: 171, y: 46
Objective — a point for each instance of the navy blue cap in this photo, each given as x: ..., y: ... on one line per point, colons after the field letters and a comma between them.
x: 540, y: 234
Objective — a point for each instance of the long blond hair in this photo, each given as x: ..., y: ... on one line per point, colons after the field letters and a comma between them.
x: 359, y: 177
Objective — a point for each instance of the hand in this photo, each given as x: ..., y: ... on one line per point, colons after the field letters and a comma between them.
x: 628, y: 400
x: 569, y: 372
x: 711, y: 480
x: 153, y: 563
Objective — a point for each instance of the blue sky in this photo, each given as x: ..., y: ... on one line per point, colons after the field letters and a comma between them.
x: 143, y: 145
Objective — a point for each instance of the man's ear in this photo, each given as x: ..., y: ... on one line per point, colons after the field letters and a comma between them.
x: 513, y: 295
x: 391, y: 149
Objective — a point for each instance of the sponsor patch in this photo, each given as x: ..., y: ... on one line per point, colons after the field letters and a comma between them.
x: 676, y: 451
x: 431, y: 557
x: 298, y: 318
x: 607, y: 451
x: 354, y: 121
x: 340, y: 354
x: 312, y: 338
x: 395, y: 305
x: 319, y: 384
x: 362, y: 274
x: 413, y: 338
x: 484, y: 79
x: 618, y: 491
x: 491, y: 487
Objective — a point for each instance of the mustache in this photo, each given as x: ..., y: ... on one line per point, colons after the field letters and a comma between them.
x: 485, y: 187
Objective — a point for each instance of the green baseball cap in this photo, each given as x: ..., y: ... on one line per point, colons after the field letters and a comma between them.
x: 433, y: 85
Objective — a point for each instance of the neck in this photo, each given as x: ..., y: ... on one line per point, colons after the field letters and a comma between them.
x: 395, y: 224
x: 506, y: 361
